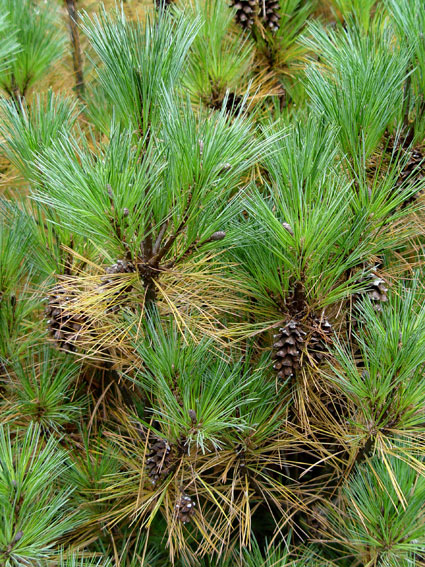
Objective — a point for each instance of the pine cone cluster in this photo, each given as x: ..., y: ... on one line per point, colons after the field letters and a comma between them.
x: 288, y: 344
x: 160, y: 460
x: 185, y: 508
x: 64, y: 327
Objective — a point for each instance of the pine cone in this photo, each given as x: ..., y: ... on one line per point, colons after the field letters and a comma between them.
x: 375, y: 289
x: 412, y: 166
x: 270, y: 14
x: 288, y: 344
x: 317, y: 345
x: 317, y: 521
x: 233, y: 103
x: 160, y: 460
x: 185, y: 508
x: 377, y: 292
x: 246, y: 11
x: 63, y: 326
x: 120, y: 267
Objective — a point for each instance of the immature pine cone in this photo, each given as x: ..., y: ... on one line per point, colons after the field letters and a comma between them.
x: 288, y: 345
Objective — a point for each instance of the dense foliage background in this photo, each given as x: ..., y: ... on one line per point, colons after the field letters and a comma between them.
x: 212, y: 317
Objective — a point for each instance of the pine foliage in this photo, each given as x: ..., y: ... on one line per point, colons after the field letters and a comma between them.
x: 39, y: 40
x: 212, y: 309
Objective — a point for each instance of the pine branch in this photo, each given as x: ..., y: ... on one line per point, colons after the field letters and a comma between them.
x: 155, y: 260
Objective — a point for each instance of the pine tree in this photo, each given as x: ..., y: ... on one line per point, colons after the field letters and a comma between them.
x: 212, y: 320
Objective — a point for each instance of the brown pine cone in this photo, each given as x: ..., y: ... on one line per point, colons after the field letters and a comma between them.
x: 377, y: 292
x: 185, y: 508
x: 270, y: 14
x: 160, y: 460
x: 288, y: 345
x: 246, y: 10
x: 64, y: 327
x: 120, y: 267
